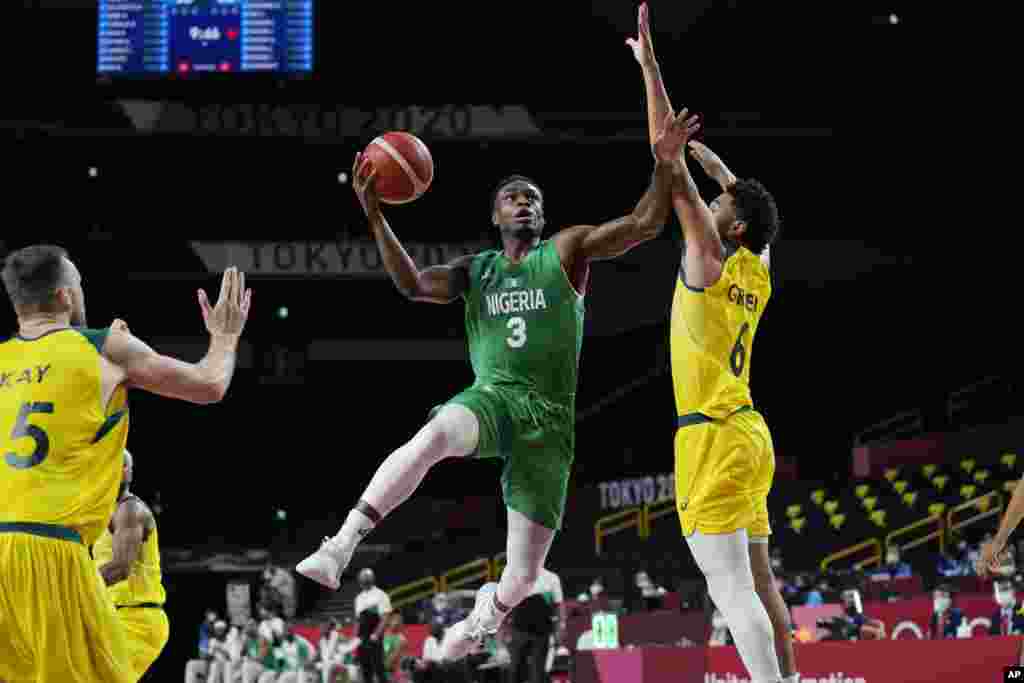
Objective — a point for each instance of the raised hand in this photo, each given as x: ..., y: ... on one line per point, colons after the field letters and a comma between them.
x: 363, y: 176
x: 674, y: 133
x: 229, y: 315
x: 642, y: 46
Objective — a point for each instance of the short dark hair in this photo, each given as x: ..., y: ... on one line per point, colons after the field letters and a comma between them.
x: 756, y: 207
x: 513, y: 179
x: 33, y: 274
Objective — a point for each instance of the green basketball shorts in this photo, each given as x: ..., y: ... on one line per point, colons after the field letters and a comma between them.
x: 535, y: 437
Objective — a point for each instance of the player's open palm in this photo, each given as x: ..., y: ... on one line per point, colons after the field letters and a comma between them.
x: 674, y: 134
x: 363, y: 177
x: 231, y: 311
x: 643, y: 48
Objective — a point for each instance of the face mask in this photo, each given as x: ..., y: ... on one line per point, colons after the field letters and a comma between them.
x: 941, y: 604
x: 596, y: 589
x: 776, y: 563
x: 892, y: 559
x: 1006, y: 599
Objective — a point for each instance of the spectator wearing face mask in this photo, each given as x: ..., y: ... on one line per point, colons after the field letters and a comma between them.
x: 597, y: 597
x: 894, y: 567
x: 651, y: 595
x: 1007, y: 620
x: 946, y: 618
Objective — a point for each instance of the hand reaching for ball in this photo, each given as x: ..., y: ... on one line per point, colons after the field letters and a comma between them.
x: 363, y: 177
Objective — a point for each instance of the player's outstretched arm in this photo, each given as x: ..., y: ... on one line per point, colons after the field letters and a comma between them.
x: 130, y: 523
x: 204, y: 382
x: 439, y: 284
x: 712, y: 164
x: 992, y: 552
x: 616, y: 237
x: 647, y: 220
x: 658, y: 105
x: 704, y: 250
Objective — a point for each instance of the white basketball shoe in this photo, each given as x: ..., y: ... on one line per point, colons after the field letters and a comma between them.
x: 468, y: 635
x: 326, y: 565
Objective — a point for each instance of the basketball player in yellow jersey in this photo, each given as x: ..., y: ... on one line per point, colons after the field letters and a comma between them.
x: 723, y: 449
x: 128, y: 558
x: 63, y: 428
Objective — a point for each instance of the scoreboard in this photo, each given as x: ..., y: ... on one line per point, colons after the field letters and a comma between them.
x: 187, y: 37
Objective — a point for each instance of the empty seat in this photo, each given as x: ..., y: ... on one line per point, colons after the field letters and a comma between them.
x: 929, y: 471
x: 891, y: 473
x: 831, y: 506
x: 940, y: 482
x: 794, y: 511
x: 837, y: 521
x: 967, y: 465
x: 797, y: 524
x: 862, y: 490
x: 900, y: 486
x: 878, y: 518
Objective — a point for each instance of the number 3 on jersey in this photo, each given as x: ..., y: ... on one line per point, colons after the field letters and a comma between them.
x: 24, y: 430
x: 518, y: 327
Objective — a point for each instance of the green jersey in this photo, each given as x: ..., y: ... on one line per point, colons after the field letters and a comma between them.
x: 524, y: 324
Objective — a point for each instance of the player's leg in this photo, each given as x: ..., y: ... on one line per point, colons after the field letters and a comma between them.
x: 526, y: 550
x: 764, y: 582
x: 725, y: 562
x: 454, y: 431
x: 759, y: 533
x: 715, y: 467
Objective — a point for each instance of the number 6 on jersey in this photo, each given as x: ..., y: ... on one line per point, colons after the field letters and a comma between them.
x: 518, y: 327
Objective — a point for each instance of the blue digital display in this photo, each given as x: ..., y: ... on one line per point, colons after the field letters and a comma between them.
x: 154, y: 37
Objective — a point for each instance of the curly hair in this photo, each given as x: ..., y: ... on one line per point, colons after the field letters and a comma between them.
x: 756, y: 207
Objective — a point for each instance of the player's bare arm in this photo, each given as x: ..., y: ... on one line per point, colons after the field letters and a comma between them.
x: 204, y: 382
x: 438, y: 284
x: 716, y: 169
x: 658, y: 105
x: 584, y: 243
x: 704, y: 250
x: 992, y: 554
x: 130, y: 523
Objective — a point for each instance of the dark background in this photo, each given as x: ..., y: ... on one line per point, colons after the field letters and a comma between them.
x: 877, y: 309
x: 867, y: 318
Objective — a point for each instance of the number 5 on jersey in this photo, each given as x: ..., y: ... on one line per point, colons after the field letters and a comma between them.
x: 518, y: 328
x: 24, y: 430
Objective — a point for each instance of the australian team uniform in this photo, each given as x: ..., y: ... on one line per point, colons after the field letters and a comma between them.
x: 63, y: 457
x: 139, y: 600
x: 724, y: 457
x: 524, y: 325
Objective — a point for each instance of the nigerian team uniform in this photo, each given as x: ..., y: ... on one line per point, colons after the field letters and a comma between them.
x: 724, y: 457
x: 524, y: 325
x: 63, y: 458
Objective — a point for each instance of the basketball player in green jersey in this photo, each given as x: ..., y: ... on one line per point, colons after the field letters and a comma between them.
x: 524, y: 325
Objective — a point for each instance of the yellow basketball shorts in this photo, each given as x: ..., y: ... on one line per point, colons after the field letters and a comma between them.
x: 147, y: 630
x: 724, y: 470
x: 57, y: 622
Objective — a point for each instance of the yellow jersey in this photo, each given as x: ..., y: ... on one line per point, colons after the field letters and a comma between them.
x: 144, y: 584
x: 712, y: 334
x: 63, y: 450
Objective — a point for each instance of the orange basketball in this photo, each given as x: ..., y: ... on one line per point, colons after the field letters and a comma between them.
x: 404, y: 167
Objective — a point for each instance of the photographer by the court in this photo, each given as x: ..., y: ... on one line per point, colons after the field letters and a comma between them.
x: 854, y: 624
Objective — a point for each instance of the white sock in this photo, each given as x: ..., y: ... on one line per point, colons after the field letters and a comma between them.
x: 356, y: 526
x: 725, y: 561
x: 793, y: 678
